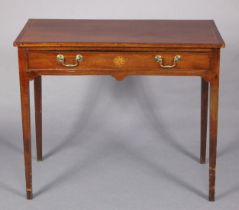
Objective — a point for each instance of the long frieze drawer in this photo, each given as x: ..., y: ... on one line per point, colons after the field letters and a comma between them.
x: 77, y: 60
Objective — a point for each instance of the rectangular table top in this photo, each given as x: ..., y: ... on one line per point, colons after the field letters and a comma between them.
x: 119, y: 33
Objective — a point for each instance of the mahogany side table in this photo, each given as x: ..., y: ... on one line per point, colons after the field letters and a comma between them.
x: 119, y: 48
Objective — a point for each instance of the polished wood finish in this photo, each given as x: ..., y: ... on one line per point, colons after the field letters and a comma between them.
x: 38, y: 116
x: 214, y: 94
x: 25, y: 104
x: 204, y: 113
x: 120, y: 48
x: 115, y: 61
x: 114, y: 33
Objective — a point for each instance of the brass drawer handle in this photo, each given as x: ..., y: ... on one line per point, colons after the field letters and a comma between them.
x: 61, y: 59
x: 159, y: 59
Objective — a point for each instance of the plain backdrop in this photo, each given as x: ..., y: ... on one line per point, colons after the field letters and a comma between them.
x: 128, y: 145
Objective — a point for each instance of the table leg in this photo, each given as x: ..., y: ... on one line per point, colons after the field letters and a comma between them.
x: 204, y: 119
x: 38, y: 116
x: 214, y: 91
x: 25, y: 105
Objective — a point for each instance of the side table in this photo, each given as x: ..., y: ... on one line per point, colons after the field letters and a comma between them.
x: 119, y: 48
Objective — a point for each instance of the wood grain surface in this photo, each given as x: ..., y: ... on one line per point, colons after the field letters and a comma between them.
x: 169, y: 33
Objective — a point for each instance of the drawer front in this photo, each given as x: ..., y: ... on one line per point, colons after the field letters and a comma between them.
x: 115, y: 61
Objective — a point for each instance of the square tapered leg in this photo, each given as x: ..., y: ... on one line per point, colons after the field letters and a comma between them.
x: 213, y: 137
x: 38, y: 115
x: 25, y: 105
x: 204, y: 119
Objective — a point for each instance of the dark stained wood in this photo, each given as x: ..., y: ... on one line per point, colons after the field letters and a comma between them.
x: 214, y: 97
x: 112, y: 33
x: 115, y: 61
x: 117, y: 49
x: 120, y: 48
x: 26, y: 129
x: 204, y: 113
x: 38, y: 115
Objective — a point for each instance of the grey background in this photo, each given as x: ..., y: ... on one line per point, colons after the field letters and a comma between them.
x: 112, y: 145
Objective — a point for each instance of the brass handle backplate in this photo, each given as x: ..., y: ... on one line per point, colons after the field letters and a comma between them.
x: 61, y: 59
x: 159, y: 59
